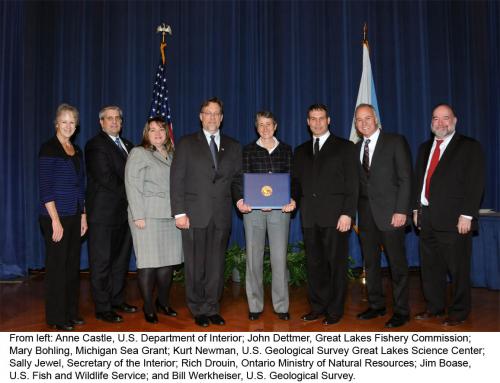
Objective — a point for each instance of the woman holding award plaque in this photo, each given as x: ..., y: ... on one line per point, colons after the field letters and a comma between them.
x: 266, y: 155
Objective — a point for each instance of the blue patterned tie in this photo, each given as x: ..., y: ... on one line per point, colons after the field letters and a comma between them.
x: 118, y: 143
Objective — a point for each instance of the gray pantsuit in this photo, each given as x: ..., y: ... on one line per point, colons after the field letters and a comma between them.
x: 276, y: 224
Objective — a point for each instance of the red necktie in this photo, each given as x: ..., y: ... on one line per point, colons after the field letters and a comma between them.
x: 432, y: 167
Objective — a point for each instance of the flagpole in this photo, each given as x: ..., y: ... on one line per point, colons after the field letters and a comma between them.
x: 365, y: 34
x: 163, y: 29
x: 159, y: 103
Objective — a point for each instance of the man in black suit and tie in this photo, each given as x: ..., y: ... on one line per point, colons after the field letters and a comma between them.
x: 449, y: 187
x: 106, y: 203
x: 325, y: 185
x: 204, y: 180
x: 385, y: 175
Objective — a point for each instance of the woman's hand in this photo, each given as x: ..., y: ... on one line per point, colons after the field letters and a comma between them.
x: 57, y: 230
x: 140, y: 223
x: 289, y: 207
x: 83, y: 225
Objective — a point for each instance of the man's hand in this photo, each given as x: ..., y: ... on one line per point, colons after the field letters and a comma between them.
x: 398, y: 219
x: 463, y: 225
x: 243, y: 207
x: 182, y: 222
x: 415, y: 219
x: 344, y: 223
x: 289, y: 207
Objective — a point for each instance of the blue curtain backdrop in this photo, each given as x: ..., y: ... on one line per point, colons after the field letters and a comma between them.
x: 281, y: 56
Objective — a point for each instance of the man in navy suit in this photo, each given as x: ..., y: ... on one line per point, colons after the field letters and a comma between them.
x: 385, y: 174
x: 325, y: 184
x: 204, y: 180
x: 110, y: 240
x: 449, y: 187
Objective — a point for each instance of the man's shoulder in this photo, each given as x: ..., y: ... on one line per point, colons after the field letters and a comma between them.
x: 98, y: 139
x: 190, y: 137
x: 303, y: 146
x: 466, y: 140
x: 229, y: 140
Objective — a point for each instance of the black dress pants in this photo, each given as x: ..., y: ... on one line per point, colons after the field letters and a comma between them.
x: 327, y: 261
x: 393, y: 242
x: 444, y: 252
x: 204, y: 256
x: 62, y: 270
x: 109, y: 255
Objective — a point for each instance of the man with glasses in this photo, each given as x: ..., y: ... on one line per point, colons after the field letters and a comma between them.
x: 206, y: 172
x: 106, y: 203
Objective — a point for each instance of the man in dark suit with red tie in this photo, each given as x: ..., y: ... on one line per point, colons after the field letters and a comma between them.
x: 110, y: 241
x: 385, y: 171
x: 325, y: 184
x: 204, y: 180
x: 449, y: 187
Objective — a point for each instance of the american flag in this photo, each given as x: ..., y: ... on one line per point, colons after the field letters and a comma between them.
x: 159, y: 103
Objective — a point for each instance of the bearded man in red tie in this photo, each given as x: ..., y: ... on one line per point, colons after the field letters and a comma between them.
x: 450, y: 183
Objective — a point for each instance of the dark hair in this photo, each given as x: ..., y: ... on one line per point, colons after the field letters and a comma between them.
x: 145, y: 143
x: 446, y: 105
x: 317, y: 107
x: 264, y: 114
x: 214, y: 100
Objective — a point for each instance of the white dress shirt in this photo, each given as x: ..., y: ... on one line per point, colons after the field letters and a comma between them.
x: 322, y: 139
x: 371, y: 146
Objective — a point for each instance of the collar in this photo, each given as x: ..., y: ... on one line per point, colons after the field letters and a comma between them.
x: 373, y: 138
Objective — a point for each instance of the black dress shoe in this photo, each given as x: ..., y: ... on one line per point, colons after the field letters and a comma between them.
x: 254, y: 316
x: 217, y: 319
x: 371, y: 313
x: 62, y: 327
x: 284, y: 316
x: 76, y: 322
x: 428, y: 315
x: 331, y: 319
x: 109, y: 316
x: 125, y: 307
x: 397, y: 320
x: 310, y: 316
x: 452, y: 322
x: 167, y: 310
x: 150, y: 317
x: 201, y: 320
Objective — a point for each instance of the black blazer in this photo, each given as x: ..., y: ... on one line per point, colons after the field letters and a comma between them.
x: 106, y: 200
x: 388, y: 187
x: 325, y: 187
x: 199, y: 190
x: 457, y: 183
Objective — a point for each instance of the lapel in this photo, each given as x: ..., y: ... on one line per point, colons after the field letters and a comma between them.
x: 447, y: 156
x: 427, y: 153
x: 221, y: 154
x: 378, y: 150
x: 159, y: 157
x: 203, y: 148
x: 115, y: 147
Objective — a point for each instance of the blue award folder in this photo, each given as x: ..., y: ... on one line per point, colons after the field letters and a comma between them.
x: 266, y: 190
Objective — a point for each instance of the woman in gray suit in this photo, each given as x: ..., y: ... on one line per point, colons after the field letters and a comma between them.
x: 157, y: 242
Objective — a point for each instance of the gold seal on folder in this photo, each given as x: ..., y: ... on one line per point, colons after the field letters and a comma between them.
x: 266, y: 190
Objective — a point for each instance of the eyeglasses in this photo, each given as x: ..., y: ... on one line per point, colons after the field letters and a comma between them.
x: 112, y: 118
x: 211, y: 114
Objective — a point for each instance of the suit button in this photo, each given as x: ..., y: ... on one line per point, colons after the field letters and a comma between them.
x: 314, y: 195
